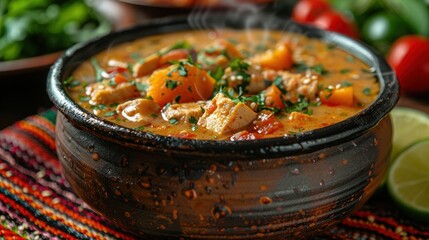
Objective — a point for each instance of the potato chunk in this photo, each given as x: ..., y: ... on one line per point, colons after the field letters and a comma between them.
x: 138, y: 110
x: 223, y: 115
x: 106, y: 94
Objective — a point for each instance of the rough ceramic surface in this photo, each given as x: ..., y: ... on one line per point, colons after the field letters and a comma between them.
x: 159, y: 186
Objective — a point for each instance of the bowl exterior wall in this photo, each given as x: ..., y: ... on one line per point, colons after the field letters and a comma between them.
x: 164, y: 195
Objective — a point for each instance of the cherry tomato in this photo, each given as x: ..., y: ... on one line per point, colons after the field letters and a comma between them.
x: 334, y: 21
x: 305, y: 11
x: 409, y: 57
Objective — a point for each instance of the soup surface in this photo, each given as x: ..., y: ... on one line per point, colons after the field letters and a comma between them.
x: 234, y: 85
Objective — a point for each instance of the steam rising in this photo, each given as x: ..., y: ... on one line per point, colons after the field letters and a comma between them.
x: 235, y: 13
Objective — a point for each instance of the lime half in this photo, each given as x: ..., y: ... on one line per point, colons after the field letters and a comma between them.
x: 409, y: 126
x: 408, y: 181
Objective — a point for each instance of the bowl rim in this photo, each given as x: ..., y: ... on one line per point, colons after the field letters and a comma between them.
x: 304, y: 142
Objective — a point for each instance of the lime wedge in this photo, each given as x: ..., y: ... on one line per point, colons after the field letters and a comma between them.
x: 408, y: 181
x: 409, y: 126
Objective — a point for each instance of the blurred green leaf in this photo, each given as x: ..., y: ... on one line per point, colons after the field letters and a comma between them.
x: 415, y: 12
x: 37, y: 27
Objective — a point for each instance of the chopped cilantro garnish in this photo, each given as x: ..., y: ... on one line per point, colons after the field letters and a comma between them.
x: 319, y: 69
x: 141, y: 86
x: 84, y: 98
x: 154, y: 115
x: 346, y: 84
x: 140, y: 128
x: 173, y: 121
x: 182, y: 70
x: 193, y: 120
x: 71, y: 82
x: 218, y: 74
x: 98, y: 70
x: 367, y: 91
x: 278, y: 82
x: 135, y: 55
x: 345, y: 70
x: 177, y: 99
x: 300, y: 106
x: 350, y: 58
x: 171, y: 84
x: 109, y: 114
x: 112, y: 82
x: 100, y: 107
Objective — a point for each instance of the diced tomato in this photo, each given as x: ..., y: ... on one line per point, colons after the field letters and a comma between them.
x: 113, y: 70
x: 119, y: 78
x: 245, y: 135
x: 266, y: 124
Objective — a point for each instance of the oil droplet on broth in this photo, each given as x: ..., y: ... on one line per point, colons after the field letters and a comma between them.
x: 220, y: 211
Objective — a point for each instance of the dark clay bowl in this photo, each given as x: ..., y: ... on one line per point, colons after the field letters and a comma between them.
x: 164, y: 187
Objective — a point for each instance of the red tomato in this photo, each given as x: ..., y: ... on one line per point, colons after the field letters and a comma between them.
x: 305, y: 11
x: 266, y: 124
x: 409, y: 57
x: 334, y: 21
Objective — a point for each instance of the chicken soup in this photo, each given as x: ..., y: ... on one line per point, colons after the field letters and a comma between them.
x: 234, y: 85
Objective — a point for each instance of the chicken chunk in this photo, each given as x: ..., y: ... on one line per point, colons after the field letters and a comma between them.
x: 300, y: 117
x: 138, y: 110
x: 224, y: 115
x: 149, y: 64
x: 184, y: 111
x: 102, y: 94
x: 297, y: 84
x: 256, y: 80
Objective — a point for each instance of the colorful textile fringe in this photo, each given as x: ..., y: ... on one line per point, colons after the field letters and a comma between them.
x: 37, y: 203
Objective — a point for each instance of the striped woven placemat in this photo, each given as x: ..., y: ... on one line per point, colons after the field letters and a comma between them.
x: 37, y: 203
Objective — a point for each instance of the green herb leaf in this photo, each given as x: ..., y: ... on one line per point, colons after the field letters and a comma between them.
x: 414, y: 12
x: 366, y: 91
x: 278, y: 82
x: 141, y: 86
x: 182, y: 70
x: 173, y: 121
x: 140, y: 128
x: 345, y: 71
x: 84, y: 98
x: 319, y: 69
x: 98, y: 70
x: 193, y: 120
x: 218, y: 74
x: 346, y: 84
x: 171, y: 84
x: 109, y: 114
